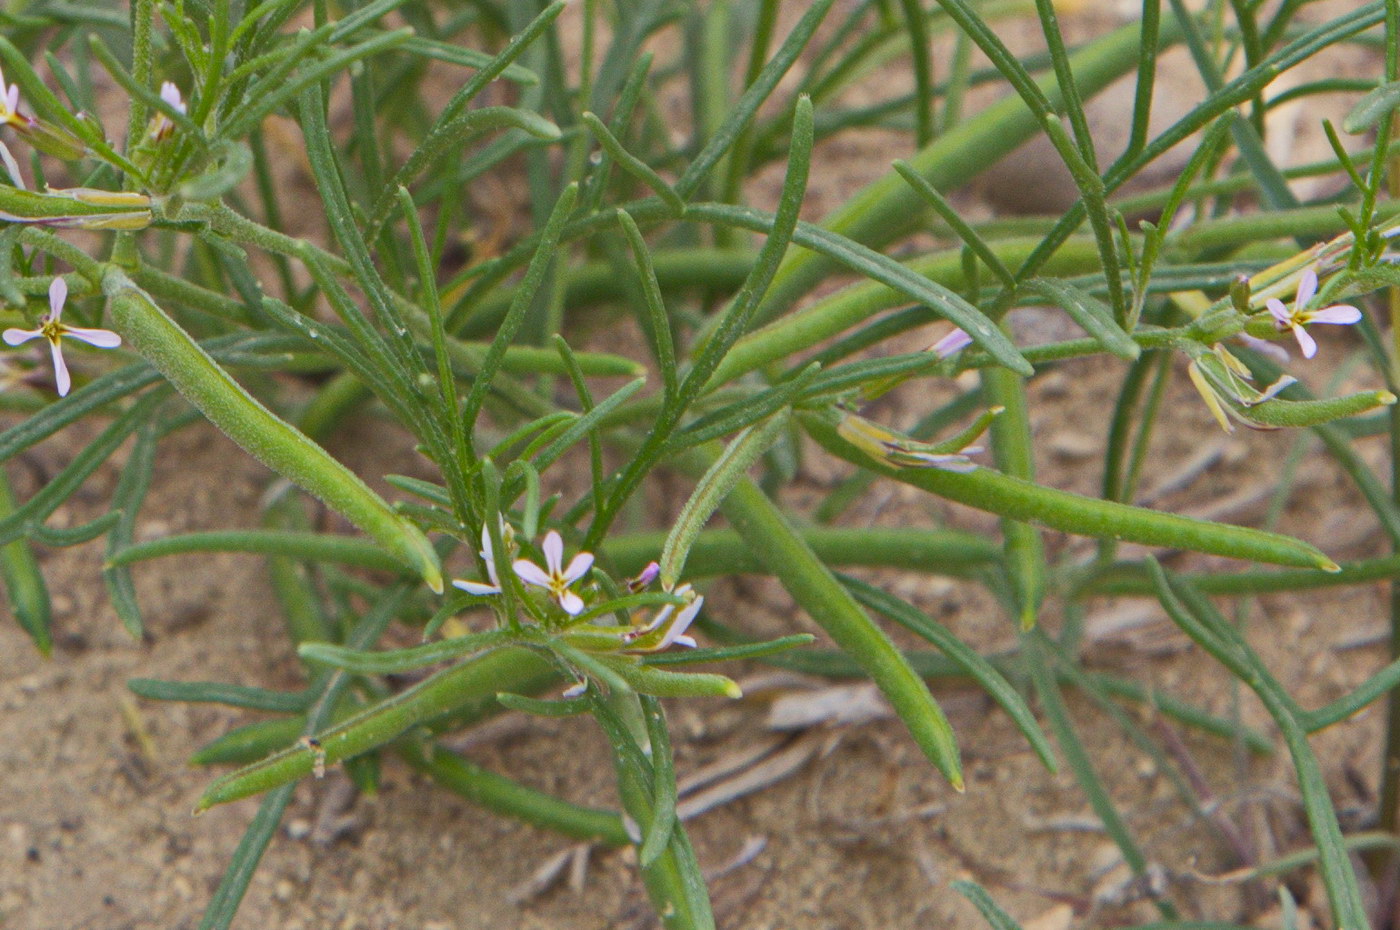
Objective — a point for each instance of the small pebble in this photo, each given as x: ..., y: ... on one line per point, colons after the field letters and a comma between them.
x: 1074, y: 445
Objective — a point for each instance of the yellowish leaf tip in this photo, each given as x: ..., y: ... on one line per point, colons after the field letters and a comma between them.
x: 1327, y: 565
x: 1385, y: 397
x: 732, y: 690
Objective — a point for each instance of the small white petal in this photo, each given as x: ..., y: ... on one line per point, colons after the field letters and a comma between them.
x: 578, y: 567
x: 1305, y: 341
x: 475, y: 587
x: 15, y: 337
x: 553, y: 548
x: 12, y: 168
x: 686, y: 641
x: 530, y: 573
x: 102, y: 338
x: 675, y: 633
x: 62, y: 379
x: 11, y: 96
x: 58, y: 293
x: 660, y: 618
x: 573, y: 604
x: 956, y: 340
x: 1279, y: 311
x: 1307, y: 288
x: 1272, y: 390
x: 1341, y: 314
x: 576, y: 689
x: 170, y: 93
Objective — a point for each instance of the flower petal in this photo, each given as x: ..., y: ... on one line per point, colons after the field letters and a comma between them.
x: 475, y: 587
x: 1307, y: 343
x: 1307, y: 289
x: 58, y: 293
x: 573, y: 604
x: 682, y: 623
x: 170, y: 93
x: 578, y: 567
x: 102, y: 338
x: 1266, y: 348
x: 530, y: 573
x: 1341, y: 314
x: 553, y: 548
x: 15, y: 337
x: 956, y: 340
x: 62, y: 379
x: 1279, y: 311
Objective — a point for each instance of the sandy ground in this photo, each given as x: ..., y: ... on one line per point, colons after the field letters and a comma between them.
x: 95, y: 829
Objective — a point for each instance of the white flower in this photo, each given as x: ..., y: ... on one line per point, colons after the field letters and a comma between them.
x: 554, y: 577
x: 52, y: 328
x: 161, y: 125
x: 489, y: 557
x: 1300, y: 316
x: 673, y: 624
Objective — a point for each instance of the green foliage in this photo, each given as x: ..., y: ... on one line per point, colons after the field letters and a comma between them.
x: 751, y: 339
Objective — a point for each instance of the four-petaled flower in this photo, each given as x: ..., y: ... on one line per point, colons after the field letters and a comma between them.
x: 554, y: 577
x: 489, y: 557
x: 671, y: 624
x: 52, y: 328
x: 1300, y: 316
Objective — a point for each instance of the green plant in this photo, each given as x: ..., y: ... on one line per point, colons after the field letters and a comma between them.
x: 467, y: 358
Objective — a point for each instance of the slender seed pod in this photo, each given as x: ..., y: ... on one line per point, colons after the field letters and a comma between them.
x: 265, y: 436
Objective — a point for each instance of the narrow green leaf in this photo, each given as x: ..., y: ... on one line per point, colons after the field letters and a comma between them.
x: 1094, y: 316
x: 632, y: 164
x: 212, y: 692
x: 401, y: 660
x: 1373, y: 108
x: 24, y: 582
x: 782, y: 551
x: 964, y: 656
x: 999, y: 919
x: 710, y: 492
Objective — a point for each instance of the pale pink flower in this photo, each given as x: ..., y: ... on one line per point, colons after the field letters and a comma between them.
x: 1300, y: 316
x: 52, y: 328
x: 554, y: 577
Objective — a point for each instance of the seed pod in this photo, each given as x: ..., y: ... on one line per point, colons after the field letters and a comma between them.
x: 261, y: 433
